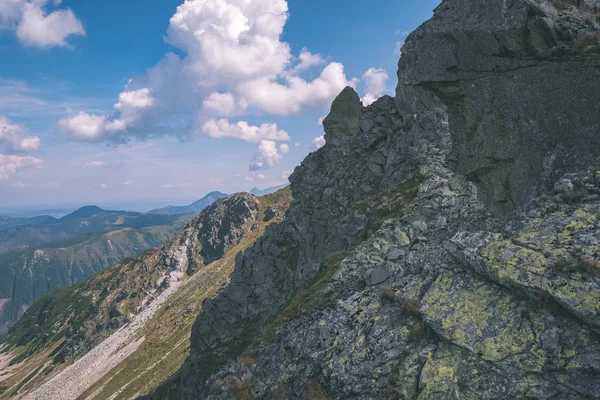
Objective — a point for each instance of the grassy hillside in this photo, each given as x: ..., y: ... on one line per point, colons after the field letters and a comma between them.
x: 65, y: 324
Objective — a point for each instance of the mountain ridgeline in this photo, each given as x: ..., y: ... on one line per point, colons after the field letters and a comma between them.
x: 195, y: 207
x: 443, y: 244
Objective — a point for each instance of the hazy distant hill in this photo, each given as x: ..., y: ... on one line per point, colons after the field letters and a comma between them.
x: 264, y: 192
x: 8, y: 222
x: 196, y: 207
x: 86, y: 220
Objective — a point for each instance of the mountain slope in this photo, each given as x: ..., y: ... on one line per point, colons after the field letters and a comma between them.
x: 195, y: 207
x: 28, y: 273
x: 154, y: 298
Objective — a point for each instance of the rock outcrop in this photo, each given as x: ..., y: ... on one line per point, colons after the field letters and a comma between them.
x: 520, y: 79
x: 343, y: 121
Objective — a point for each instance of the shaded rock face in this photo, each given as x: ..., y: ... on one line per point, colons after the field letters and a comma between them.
x: 520, y: 79
x: 343, y: 120
x: 393, y: 275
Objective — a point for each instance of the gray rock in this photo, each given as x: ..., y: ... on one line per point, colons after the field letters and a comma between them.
x: 379, y: 275
x: 519, y: 80
x: 343, y: 121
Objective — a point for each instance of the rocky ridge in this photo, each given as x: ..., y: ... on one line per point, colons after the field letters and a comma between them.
x: 459, y: 260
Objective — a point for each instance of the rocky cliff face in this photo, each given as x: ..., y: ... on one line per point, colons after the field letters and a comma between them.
x: 419, y: 258
x: 520, y: 80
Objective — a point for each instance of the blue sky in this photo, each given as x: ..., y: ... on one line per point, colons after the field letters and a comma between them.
x: 114, y: 102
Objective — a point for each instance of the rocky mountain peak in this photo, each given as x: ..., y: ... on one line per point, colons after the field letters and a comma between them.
x: 343, y: 120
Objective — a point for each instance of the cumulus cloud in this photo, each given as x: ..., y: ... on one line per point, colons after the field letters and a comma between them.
x: 17, y: 138
x: 103, y: 186
x: 268, y: 154
x: 35, y: 27
x: 234, y: 63
x: 375, y: 80
x: 10, y: 164
x: 318, y: 143
x: 243, y: 131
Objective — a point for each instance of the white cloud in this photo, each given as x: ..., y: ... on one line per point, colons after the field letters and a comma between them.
x: 375, y: 84
x: 16, y: 137
x: 241, y: 130
x: 128, y: 183
x: 260, y: 177
x: 307, y: 60
x: 84, y: 126
x: 320, y: 122
x: 234, y: 63
x: 224, y: 105
x: 95, y: 164
x: 10, y: 164
x: 318, y: 142
x: 296, y: 93
x: 35, y: 27
x: 20, y: 184
x: 103, y: 186
x: 268, y: 154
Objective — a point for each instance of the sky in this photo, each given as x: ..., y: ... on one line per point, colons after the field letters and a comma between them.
x: 130, y: 101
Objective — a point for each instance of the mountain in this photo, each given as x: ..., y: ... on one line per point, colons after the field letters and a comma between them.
x: 83, y: 212
x: 263, y: 192
x: 85, y: 221
x: 28, y: 273
x: 8, y: 222
x: 195, y: 207
x: 443, y: 244
x: 157, y: 295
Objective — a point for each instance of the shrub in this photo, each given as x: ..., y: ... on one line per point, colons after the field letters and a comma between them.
x: 589, y: 265
x: 314, y: 391
x: 387, y: 294
x: 411, y: 307
x: 560, y: 4
x: 590, y: 39
x: 242, y: 390
x: 247, y: 362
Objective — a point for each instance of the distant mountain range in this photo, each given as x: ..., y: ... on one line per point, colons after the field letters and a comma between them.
x: 86, y: 220
x: 264, y: 192
x: 207, y: 200
x: 9, y: 222
x: 195, y: 207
